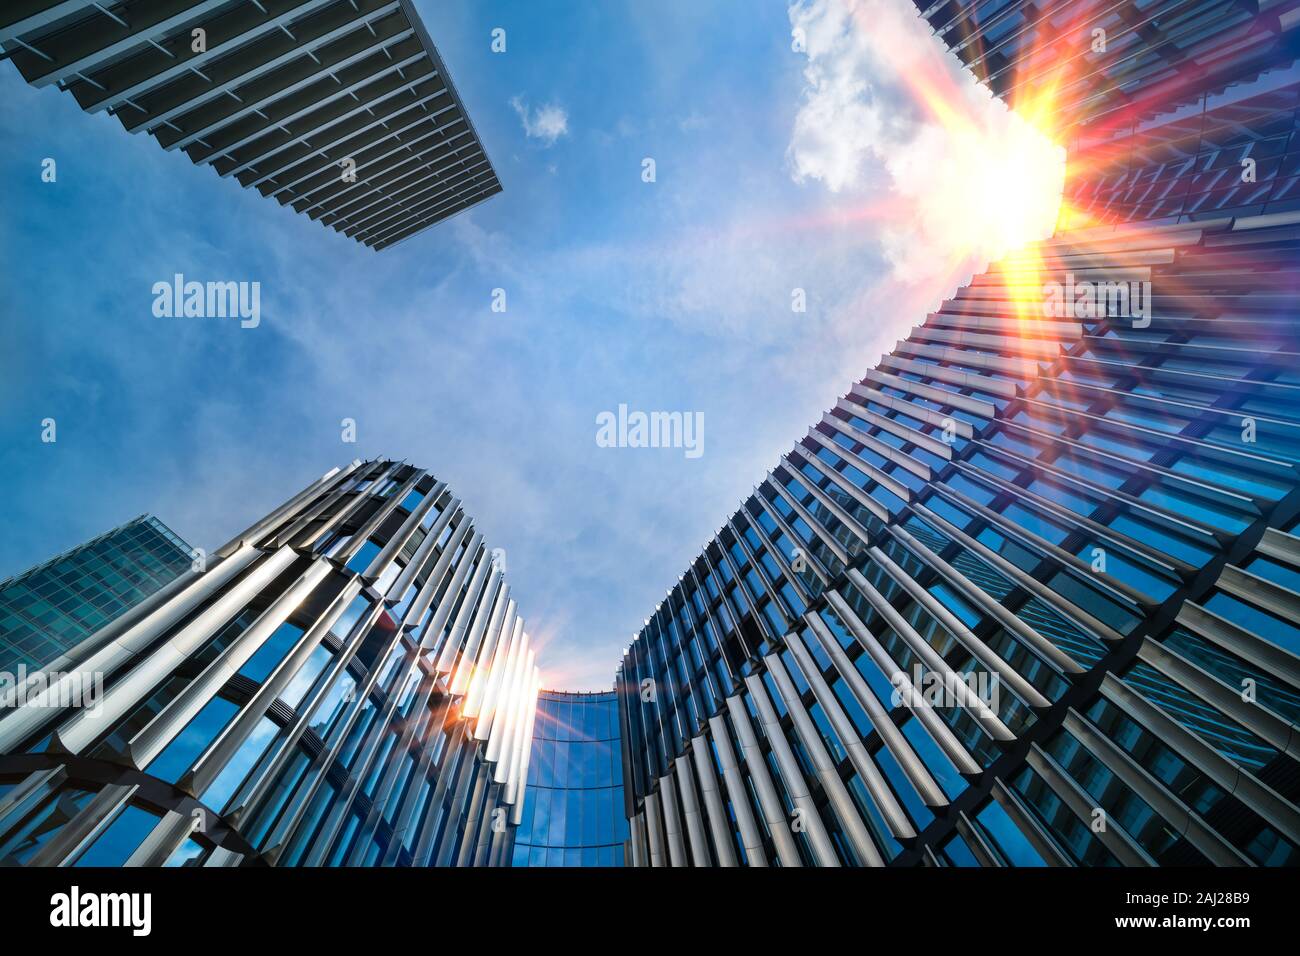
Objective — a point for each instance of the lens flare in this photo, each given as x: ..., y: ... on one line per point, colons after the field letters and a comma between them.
x: 970, y: 181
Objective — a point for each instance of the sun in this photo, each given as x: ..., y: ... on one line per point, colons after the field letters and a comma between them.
x: 975, y: 181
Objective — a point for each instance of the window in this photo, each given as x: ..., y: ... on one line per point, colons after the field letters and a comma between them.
x: 956, y: 852
x: 1006, y: 838
x: 306, y: 675
x: 273, y: 650
x: 343, y: 626
x: 365, y: 554
x: 189, y: 853
x: 186, y: 746
x: 120, y: 839
x: 223, y: 787
x: 1258, y: 622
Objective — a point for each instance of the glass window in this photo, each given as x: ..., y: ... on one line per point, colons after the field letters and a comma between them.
x: 189, y: 853
x: 273, y: 650
x: 1006, y: 838
x: 365, y: 554
x: 1258, y: 622
x: 186, y: 746
x: 221, y: 789
x: 956, y: 852
x: 120, y: 839
x: 306, y: 675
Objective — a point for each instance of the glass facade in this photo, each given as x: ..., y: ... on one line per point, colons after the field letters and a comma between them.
x: 50, y: 609
x: 1229, y: 152
x: 1164, y: 105
x: 347, y: 683
x: 1103, y: 542
x: 1027, y: 595
x: 1030, y: 592
x: 574, y: 813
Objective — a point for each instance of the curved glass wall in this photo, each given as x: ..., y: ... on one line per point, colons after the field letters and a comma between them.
x: 573, y: 805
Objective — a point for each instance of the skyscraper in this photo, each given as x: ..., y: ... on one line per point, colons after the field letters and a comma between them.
x: 1028, y: 593
x: 49, y: 609
x: 346, y: 682
x: 574, y: 812
x: 340, y: 109
x: 1077, y: 534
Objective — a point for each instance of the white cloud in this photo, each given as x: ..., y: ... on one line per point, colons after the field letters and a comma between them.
x: 889, y: 119
x: 850, y: 115
x: 546, y: 123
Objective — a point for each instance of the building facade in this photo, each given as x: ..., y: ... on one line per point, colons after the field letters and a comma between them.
x: 48, y: 610
x: 347, y: 682
x: 1030, y: 592
x: 1027, y: 595
x: 1170, y: 111
x: 574, y: 812
x: 339, y: 109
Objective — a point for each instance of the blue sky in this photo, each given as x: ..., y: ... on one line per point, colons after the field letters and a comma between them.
x: 771, y: 164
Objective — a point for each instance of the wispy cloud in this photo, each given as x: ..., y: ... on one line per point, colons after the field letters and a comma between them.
x: 546, y: 123
x: 890, y: 121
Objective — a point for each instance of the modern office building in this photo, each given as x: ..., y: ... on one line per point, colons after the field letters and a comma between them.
x: 340, y: 109
x: 49, y: 609
x: 347, y: 682
x: 1027, y: 594
x: 574, y: 812
x: 1030, y: 592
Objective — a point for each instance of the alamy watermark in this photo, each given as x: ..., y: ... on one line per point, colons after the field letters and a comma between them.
x: 209, y: 300
x: 80, y: 689
x: 1095, y: 300
x: 626, y: 429
x: 133, y: 911
x: 944, y: 690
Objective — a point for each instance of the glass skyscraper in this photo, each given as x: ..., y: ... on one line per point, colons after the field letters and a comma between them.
x: 346, y: 682
x: 1030, y: 592
x: 50, y: 609
x: 574, y: 814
